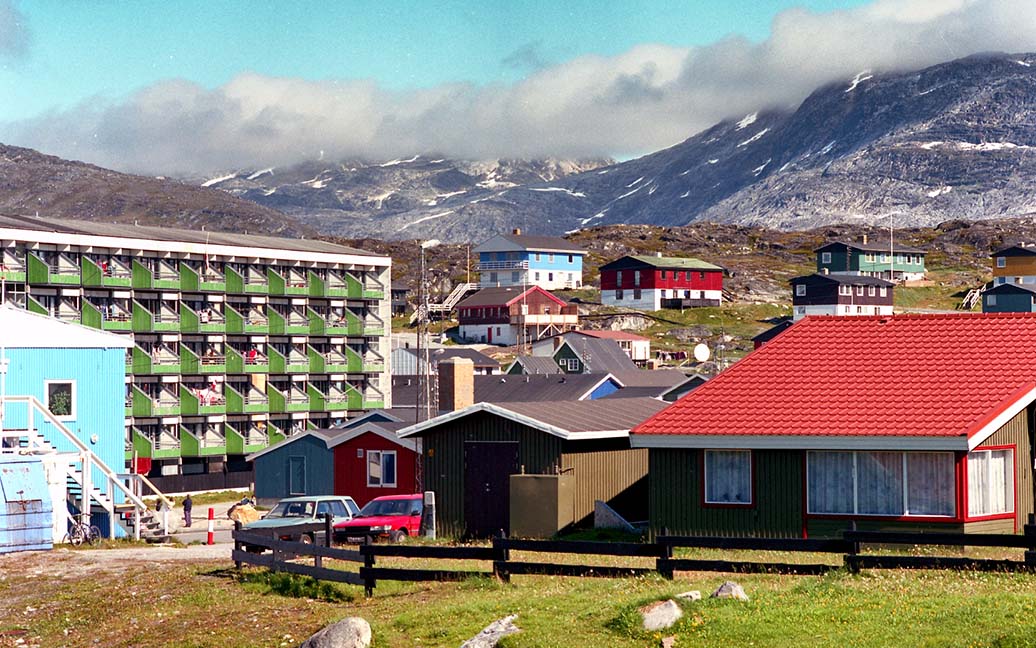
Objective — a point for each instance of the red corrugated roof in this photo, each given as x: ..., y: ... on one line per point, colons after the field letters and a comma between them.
x: 907, y: 375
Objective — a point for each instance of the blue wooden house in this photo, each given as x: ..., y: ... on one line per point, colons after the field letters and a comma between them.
x: 522, y: 260
x: 65, y: 401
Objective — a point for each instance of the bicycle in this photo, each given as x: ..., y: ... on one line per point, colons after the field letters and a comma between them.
x: 81, y: 532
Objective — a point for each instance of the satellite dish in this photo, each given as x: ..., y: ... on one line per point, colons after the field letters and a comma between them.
x: 701, y: 352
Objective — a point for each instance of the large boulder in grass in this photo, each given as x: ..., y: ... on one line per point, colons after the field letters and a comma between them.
x: 350, y: 632
x: 731, y: 590
x: 660, y: 615
x: 243, y: 513
x: 493, y: 633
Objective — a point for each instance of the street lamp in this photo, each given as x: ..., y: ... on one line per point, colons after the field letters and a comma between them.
x: 423, y: 386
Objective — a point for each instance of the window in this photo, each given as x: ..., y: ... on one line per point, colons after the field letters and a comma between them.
x: 296, y: 475
x: 498, y: 331
x: 537, y: 256
x: 728, y: 477
x: 990, y: 482
x: 701, y: 275
x: 618, y: 294
x: 381, y: 468
x: 665, y: 274
x: 338, y: 509
x: 859, y: 290
x: 825, y: 257
x: 572, y: 364
x: 514, y: 277
x: 880, y: 483
x: 537, y: 275
x: 845, y: 290
x: 636, y: 277
x: 571, y: 259
x: 687, y: 294
x: 550, y: 276
x: 687, y: 275
x: 884, y: 258
x: 492, y: 277
x: 990, y: 300
x: 1001, y: 262
x: 800, y: 290
x: 871, y: 291
x: 61, y: 398
x: 859, y: 310
x: 883, y: 291
x: 618, y: 278
x: 636, y: 293
x: 550, y: 258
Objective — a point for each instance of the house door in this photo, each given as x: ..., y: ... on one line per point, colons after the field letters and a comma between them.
x: 488, y: 466
x: 489, y: 335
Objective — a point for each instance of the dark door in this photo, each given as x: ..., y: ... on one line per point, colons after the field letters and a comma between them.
x: 488, y: 466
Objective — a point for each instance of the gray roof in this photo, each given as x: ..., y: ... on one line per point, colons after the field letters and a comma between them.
x: 536, y: 388
x: 1008, y: 287
x: 880, y: 246
x: 601, y: 356
x: 590, y: 416
x: 846, y: 278
x: 651, y: 378
x: 533, y: 365
x: 546, y: 243
x: 639, y: 392
x: 437, y: 355
x: 151, y: 233
x: 496, y: 296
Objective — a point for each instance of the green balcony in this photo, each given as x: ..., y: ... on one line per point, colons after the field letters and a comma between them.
x: 317, y: 285
x: 251, y: 283
x: 373, y: 328
x: 148, y: 363
x: 192, y: 280
x: 204, y: 364
x: 281, y: 402
x: 145, y: 321
x: 164, y: 278
x: 12, y: 269
x: 240, y: 323
x: 276, y: 434
x: 282, y: 364
x: 238, y: 363
x: 373, y: 293
x: 333, y: 362
x: 284, y: 284
x: 145, y: 447
x: 331, y: 402
x: 114, y: 321
x: 144, y: 405
x: 243, y: 443
x: 40, y: 272
x: 142, y: 275
x: 191, y: 321
x: 209, y: 445
x: 373, y: 365
x: 238, y: 403
x: 281, y: 324
x: 34, y: 306
x: 198, y: 402
x: 104, y: 274
x: 350, y: 324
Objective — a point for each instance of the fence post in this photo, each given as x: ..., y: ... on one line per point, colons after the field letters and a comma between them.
x: 237, y: 543
x: 1030, y: 533
x: 329, y: 530
x: 277, y: 554
x: 501, y: 554
x: 663, y: 564
x: 851, y: 564
x: 368, y: 562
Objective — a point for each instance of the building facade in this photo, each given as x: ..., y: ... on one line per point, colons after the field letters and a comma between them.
x: 511, y: 315
x: 656, y: 282
x: 1010, y: 298
x: 1015, y: 265
x: 238, y: 341
x: 518, y: 260
x: 895, y: 263
x: 840, y: 293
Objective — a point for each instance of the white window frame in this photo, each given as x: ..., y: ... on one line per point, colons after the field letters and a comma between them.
x: 71, y: 416
x: 381, y: 462
x: 859, y: 291
x: 990, y: 300
x: 845, y: 290
x: 825, y: 257
x: 800, y: 290
x: 705, y: 470
x: 537, y: 258
x: 871, y: 291
x: 1009, y: 488
x: 550, y: 258
x: 883, y: 291
x: 1001, y: 262
x: 572, y: 364
x: 856, y: 486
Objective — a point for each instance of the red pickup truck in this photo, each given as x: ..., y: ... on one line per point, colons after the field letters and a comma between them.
x: 393, y: 517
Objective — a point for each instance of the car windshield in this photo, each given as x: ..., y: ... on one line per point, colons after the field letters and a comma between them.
x: 291, y: 510
x: 386, y: 507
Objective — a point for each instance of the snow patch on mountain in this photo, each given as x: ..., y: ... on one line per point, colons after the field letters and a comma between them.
x: 216, y: 181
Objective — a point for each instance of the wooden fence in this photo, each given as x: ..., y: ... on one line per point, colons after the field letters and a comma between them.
x: 250, y: 547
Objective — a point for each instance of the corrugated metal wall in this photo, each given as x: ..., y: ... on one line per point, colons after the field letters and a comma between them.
x: 271, y: 469
x: 1016, y: 432
x: 676, y: 497
x: 604, y: 470
x: 26, y: 509
x: 444, y: 460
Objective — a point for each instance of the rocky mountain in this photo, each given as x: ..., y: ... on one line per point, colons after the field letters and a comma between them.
x: 956, y: 140
x: 31, y: 183
x: 355, y: 197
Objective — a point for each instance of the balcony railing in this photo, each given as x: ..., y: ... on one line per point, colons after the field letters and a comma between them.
x: 166, y: 318
x: 503, y: 265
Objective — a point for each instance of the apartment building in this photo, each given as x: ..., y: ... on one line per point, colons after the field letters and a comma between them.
x: 239, y: 341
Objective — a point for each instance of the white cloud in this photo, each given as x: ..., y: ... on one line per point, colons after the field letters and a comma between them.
x: 14, y: 31
x: 647, y: 98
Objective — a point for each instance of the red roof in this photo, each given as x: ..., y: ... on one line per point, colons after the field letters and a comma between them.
x: 932, y: 376
x: 614, y: 335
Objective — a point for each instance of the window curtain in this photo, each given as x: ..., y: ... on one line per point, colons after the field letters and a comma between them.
x: 728, y: 477
x: 830, y: 483
x: 930, y: 481
x: 880, y: 483
x: 879, y: 479
x: 990, y: 482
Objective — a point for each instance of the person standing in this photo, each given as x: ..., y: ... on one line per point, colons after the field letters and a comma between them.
x: 187, y: 506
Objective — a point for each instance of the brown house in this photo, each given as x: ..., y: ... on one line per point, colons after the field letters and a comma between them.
x: 512, y: 314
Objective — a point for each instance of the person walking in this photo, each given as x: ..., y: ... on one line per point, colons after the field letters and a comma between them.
x: 187, y: 506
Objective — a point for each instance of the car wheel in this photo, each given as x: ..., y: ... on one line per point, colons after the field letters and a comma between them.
x: 398, y: 535
x: 307, y: 538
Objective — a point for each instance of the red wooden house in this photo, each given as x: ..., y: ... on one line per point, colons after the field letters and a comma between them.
x: 511, y: 314
x: 654, y: 282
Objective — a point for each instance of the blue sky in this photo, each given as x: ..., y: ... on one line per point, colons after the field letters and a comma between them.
x: 185, y: 86
x: 81, y: 49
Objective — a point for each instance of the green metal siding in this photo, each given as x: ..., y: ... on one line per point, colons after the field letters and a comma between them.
x: 608, y: 471
x: 443, y: 460
x: 676, y: 496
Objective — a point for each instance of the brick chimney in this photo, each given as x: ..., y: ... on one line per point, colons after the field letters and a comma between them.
x: 517, y: 231
x: 456, y: 384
